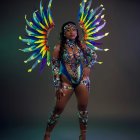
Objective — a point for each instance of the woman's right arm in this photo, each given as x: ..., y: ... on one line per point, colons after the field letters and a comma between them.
x: 56, y: 72
x: 56, y: 66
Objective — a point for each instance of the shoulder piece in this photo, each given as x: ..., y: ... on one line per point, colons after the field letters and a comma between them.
x: 37, y: 36
x: 91, y: 21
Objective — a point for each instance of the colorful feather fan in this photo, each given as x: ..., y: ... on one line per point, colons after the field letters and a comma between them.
x: 37, y: 37
x: 91, y: 21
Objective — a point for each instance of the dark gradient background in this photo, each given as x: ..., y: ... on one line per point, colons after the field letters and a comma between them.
x: 26, y: 99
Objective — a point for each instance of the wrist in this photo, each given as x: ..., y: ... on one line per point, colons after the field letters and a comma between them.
x: 57, y: 82
x: 57, y: 88
x: 89, y: 66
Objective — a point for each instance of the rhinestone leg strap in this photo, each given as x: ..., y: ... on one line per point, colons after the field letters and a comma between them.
x: 83, y: 117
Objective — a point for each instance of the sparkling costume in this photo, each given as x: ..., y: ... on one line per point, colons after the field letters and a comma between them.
x: 69, y: 64
x: 76, y: 61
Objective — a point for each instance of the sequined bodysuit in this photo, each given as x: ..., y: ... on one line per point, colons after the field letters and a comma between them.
x: 71, y: 63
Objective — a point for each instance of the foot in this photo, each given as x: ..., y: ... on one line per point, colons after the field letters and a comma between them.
x: 47, y: 137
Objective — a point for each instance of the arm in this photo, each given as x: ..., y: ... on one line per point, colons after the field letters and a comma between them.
x: 56, y: 66
x: 90, y: 56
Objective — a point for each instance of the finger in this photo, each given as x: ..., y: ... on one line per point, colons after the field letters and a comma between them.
x: 61, y: 94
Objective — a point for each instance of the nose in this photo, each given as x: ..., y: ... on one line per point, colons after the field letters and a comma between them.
x: 71, y: 32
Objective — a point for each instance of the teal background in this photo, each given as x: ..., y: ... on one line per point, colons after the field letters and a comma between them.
x: 26, y: 99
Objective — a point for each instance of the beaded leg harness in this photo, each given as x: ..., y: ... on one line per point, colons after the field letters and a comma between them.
x: 53, y: 118
x: 83, y: 118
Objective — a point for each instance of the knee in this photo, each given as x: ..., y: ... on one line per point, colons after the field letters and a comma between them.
x: 82, y: 107
x: 58, y: 109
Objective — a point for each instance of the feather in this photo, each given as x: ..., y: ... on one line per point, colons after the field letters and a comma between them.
x: 38, y: 30
x: 35, y: 64
x: 90, y: 22
x: 43, y: 64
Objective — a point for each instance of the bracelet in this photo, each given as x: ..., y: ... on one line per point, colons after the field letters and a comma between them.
x: 89, y: 66
x: 57, y: 82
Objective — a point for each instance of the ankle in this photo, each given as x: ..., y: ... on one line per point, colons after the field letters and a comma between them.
x: 83, y: 132
x: 47, y: 134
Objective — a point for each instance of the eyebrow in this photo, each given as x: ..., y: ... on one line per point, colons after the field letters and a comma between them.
x: 71, y: 28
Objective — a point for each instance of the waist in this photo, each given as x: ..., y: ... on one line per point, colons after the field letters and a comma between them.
x: 73, y: 73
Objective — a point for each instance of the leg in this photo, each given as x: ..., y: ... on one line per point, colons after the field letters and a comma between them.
x: 82, y: 94
x: 58, y: 109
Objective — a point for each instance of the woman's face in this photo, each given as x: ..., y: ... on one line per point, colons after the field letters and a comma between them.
x: 70, y: 32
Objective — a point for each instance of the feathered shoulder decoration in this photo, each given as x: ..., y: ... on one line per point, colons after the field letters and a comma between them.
x: 38, y: 30
x: 91, y: 22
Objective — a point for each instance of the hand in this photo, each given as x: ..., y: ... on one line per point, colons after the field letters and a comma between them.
x: 86, y: 72
x: 59, y: 93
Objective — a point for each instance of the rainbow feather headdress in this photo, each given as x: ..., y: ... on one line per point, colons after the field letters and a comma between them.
x: 37, y: 39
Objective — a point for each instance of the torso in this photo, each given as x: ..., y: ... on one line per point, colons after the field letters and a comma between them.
x: 72, y: 58
x: 72, y: 55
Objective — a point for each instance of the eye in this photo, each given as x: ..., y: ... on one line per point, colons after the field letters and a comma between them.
x: 74, y: 29
x: 68, y: 30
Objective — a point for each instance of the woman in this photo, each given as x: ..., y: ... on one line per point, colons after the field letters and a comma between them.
x: 71, y: 64
x: 71, y: 60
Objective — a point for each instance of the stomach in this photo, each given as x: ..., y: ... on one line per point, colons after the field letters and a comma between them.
x: 71, y: 74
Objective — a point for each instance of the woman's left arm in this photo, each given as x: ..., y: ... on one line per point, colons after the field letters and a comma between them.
x: 90, y: 58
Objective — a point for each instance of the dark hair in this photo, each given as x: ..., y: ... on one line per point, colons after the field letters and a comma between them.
x: 63, y: 38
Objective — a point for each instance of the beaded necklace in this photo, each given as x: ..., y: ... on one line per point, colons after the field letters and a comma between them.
x: 70, y: 43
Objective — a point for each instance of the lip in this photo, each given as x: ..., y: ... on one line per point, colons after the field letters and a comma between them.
x: 72, y: 35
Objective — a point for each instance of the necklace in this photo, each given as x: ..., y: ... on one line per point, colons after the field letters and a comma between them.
x: 73, y: 71
x: 70, y: 43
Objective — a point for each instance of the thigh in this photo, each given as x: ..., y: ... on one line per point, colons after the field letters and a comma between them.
x: 67, y: 90
x: 64, y: 99
x: 82, y: 95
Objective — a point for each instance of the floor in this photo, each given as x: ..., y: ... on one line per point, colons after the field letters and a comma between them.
x: 66, y: 130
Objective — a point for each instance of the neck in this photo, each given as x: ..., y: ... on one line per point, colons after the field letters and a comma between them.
x: 70, y: 42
